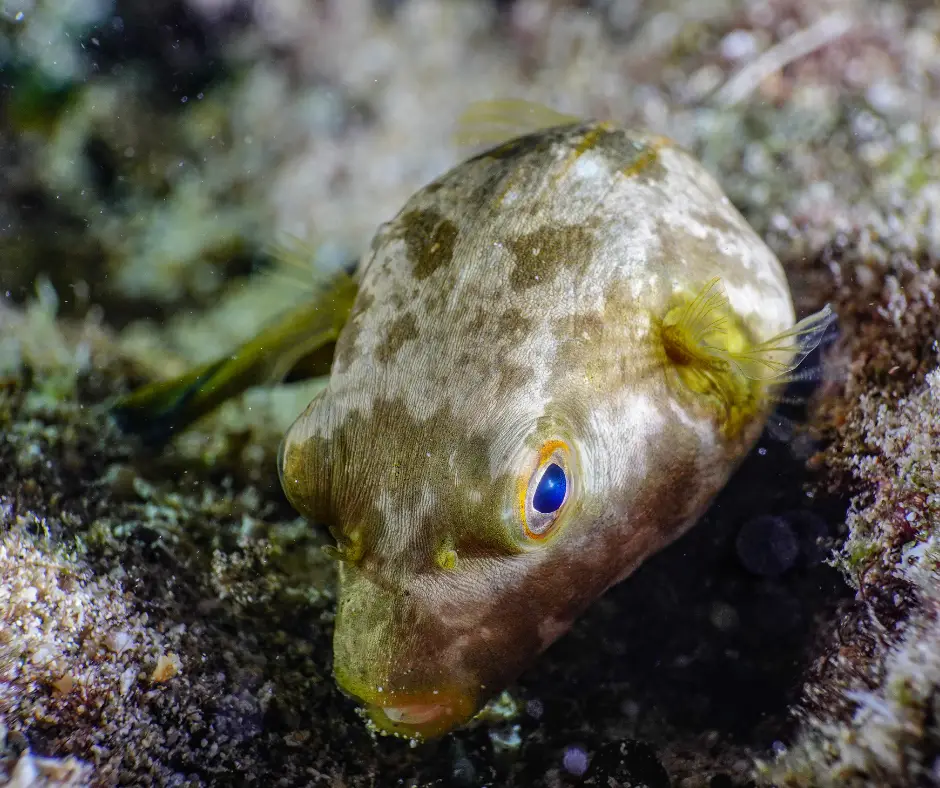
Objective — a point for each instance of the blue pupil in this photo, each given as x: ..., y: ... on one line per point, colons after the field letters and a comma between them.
x: 550, y: 493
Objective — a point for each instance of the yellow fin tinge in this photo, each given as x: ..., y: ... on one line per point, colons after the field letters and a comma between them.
x: 701, y: 331
x: 687, y: 329
x: 707, y: 313
x: 710, y: 352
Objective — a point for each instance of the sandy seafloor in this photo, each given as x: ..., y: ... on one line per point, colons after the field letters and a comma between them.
x: 165, y: 619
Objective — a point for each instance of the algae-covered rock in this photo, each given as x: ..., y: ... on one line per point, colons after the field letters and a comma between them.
x: 165, y: 619
x: 892, y: 556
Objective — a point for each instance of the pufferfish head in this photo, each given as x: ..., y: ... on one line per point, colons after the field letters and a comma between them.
x: 472, y: 532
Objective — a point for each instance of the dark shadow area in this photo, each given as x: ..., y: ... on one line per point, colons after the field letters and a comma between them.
x: 711, y: 637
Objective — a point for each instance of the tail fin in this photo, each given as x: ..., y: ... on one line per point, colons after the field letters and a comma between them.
x: 159, y: 409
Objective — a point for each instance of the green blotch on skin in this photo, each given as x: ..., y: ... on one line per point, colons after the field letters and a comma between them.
x: 480, y: 320
x: 513, y: 325
x: 507, y: 330
x: 402, y: 329
x: 582, y: 345
x: 626, y: 155
x: 430, y: 239
x: 645, y: 163
x: 513, y: 377
x: 519, y: 147
x: 542, y: 254
x: 447, y: 559
x: 591, y: 362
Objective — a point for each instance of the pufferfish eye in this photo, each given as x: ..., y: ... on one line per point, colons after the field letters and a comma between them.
x: 551, y: 490
x: 546, y: 490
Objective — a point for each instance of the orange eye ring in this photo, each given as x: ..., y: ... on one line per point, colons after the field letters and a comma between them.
x: 552, y: 450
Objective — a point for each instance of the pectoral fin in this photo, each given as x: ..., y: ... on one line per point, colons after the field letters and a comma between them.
x: 709, y: 353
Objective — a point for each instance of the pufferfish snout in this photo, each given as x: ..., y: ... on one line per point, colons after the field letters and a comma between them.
x: 422, y: 656
x: 440, y: 660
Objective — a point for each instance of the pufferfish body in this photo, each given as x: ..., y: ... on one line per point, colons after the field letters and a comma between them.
x: 546, y: 366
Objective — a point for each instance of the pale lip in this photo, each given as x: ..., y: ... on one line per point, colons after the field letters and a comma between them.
x: 429, y: 715
x: 426, y: 713
x: 416, y: 714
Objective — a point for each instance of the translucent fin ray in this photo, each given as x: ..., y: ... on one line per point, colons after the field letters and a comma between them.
x: 500, y: 120
x: 699, y: 319
x: 783, y: 353
x: 295, y: 259
x: 297, y: 254
x: 805, y: 375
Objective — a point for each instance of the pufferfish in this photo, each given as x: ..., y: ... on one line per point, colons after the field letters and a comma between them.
x: 541, y: 373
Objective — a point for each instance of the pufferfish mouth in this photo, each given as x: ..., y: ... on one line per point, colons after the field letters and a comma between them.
x: 421, y: 715
x: 423, y: 720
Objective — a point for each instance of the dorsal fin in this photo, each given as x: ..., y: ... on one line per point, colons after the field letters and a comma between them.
x: 500, y: 120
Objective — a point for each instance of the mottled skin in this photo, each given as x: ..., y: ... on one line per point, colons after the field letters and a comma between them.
x: 517, y: 302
